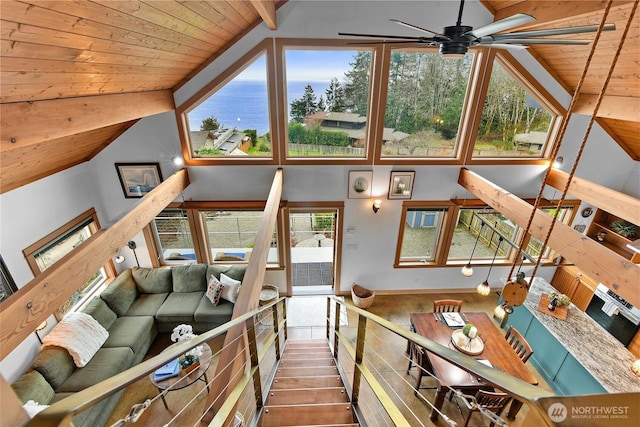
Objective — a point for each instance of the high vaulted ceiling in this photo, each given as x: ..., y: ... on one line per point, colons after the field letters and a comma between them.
x: 76, y: 74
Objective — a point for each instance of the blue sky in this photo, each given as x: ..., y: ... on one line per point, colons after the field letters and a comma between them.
x: 306, y: 65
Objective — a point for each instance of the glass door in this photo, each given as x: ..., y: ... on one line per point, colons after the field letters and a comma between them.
x: 313, y: 237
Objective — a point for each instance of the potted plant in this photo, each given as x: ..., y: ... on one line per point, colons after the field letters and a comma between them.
x: 624, y: 228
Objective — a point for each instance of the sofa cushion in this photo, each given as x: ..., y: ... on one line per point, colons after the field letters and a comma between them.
x: 33, y: 386
x: 189, y: 278
x: 179, y: 307
x: 207, y: 313
x: 121, y: 293
x: 234, y: 271
x: 147, y: 305
x: 55, y: 364
x: 152, y: 280
x: 106, y: 363
x: 135, y: 332
x: 99, y: 310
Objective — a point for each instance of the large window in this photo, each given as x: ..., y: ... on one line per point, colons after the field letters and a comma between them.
x: 472, y: 226
x: 231, y: 234
x: 425, y: 97
x: 233, y: 122
x: 52, y: 248
x: 173, y: 232
x: 514, y: 123
x: 421, y: 233
x: 327, y: 102
x: 209, y: 232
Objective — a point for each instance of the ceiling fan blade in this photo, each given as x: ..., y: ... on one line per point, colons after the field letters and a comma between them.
x: 539, y: 41
x: 555, y: 31
x: 382, y: 36
x: 415, y: 27
x: 502, y: 25
x: 507, y: 46
x: 422, y: 42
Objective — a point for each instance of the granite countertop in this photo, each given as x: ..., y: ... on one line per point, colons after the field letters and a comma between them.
x: 594, y: 348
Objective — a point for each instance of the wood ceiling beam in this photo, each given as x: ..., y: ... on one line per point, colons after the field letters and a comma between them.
x: 555, y: 12
x: 29, y: 123
x: 625, y: 108
x: 33, y: 303
x: 267, y: 11
x: 595, y: 260
x: 619, y: 204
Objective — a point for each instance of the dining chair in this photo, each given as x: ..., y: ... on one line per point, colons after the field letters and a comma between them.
x: 418, y: 357
x: 519, y: 344
x: 447, y: 305
x: 489, y: 400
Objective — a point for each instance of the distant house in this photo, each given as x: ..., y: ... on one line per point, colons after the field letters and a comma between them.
x: 354, y: 125
x: 227, y: 140
x: 532, y: 141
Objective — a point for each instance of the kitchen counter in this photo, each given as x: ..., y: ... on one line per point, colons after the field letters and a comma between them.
x: 604, y: 357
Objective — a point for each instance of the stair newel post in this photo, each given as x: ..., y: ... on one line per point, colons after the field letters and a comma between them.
x: 255, y: 363
x: 274, y: 311
x: 336, y: 325
x: 362, y: 329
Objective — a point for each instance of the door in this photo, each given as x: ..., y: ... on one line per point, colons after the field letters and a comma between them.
x: 312, y: 233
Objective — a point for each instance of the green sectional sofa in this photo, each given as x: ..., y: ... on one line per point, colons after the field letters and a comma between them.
x: 134, y: 308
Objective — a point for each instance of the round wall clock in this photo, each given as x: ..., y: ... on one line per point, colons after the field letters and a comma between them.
x: 586, y: 212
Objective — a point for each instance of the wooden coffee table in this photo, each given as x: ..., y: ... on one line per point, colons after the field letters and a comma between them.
x: 183, y: 380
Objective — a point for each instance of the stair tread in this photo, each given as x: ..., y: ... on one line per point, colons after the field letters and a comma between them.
x: 299, y: 396
x: 295, y: 415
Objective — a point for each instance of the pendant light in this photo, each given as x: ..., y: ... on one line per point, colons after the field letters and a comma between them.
x: 467, y: 270
x: 483, y: 288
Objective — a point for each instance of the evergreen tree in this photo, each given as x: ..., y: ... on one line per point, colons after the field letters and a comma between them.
x: 356, y: 88
x: 336, y: 101
x: 322, y: 105
x: 210, y: 124
x: 306, y: 105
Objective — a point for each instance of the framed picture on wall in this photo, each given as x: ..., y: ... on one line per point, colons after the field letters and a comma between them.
x: 138, y: 179
x: 360, y: 184
x: 401, y: 185
x: 8, y: 285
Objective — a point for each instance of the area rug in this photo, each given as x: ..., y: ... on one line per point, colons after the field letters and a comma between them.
x: 304, y: 311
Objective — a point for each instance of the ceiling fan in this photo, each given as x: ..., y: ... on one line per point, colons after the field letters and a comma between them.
x: 457, y: 39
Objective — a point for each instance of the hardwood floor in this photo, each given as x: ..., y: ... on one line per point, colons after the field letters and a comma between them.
x: 385, y: 351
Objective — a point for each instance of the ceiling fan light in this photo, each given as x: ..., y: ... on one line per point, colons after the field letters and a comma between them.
x: 453, y: 50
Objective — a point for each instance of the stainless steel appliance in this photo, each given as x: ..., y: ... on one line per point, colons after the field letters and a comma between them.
x: 615, y: 314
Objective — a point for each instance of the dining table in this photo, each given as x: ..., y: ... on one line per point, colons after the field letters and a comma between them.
x: 495, y: 350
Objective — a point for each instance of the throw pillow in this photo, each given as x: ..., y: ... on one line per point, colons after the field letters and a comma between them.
x: 214, y: 290
x: 80, y: 334
x: 231, y: 288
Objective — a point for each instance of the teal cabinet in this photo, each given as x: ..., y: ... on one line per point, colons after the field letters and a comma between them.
x: 548, y: 354
x: 572, y: 378
x: 553, y: 362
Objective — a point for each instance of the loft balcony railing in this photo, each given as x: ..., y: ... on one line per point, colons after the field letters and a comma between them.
x: 381, y: 393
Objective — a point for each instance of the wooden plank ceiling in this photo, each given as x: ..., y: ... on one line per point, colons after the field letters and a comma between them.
x: 60, y: 58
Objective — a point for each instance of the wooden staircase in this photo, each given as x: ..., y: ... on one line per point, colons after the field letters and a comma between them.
x: 307, y: 389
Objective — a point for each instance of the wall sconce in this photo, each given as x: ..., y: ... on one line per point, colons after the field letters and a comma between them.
x: 467, y: 270
x: 376, y: 205
x: 636, y: 367
x: 40, y: 327
x: 177, y: 160
x: 483, y: 288
x: 558, y: 162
